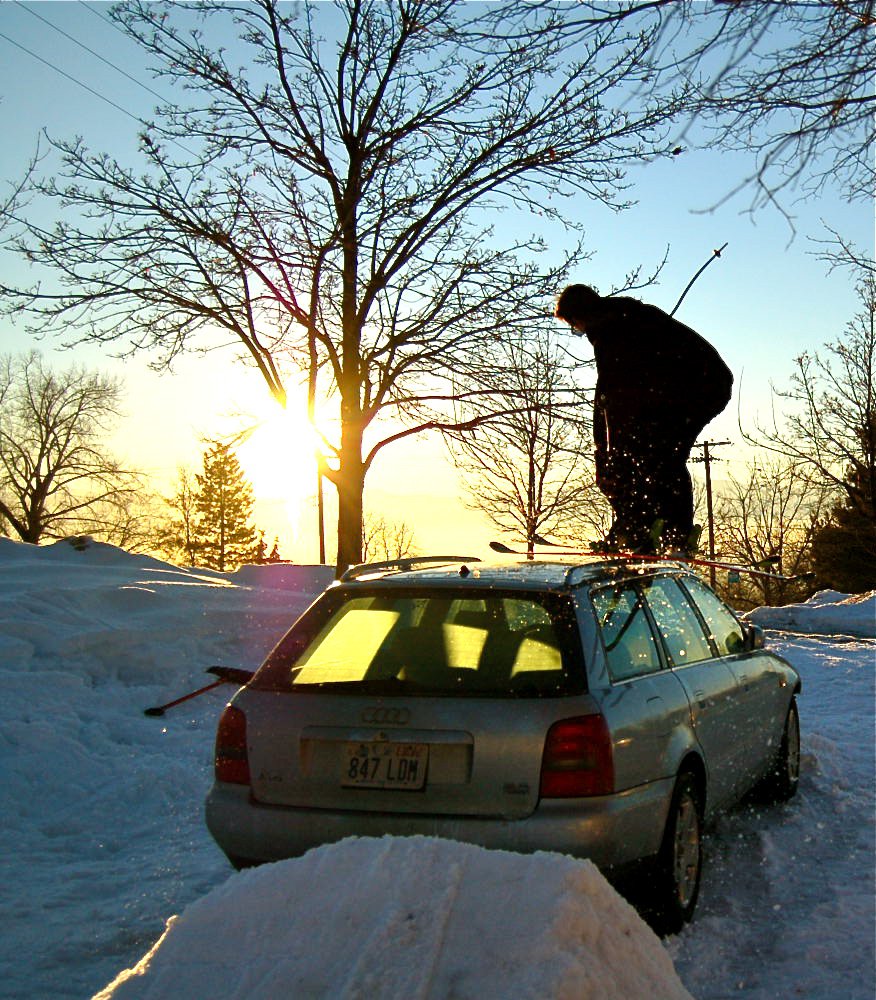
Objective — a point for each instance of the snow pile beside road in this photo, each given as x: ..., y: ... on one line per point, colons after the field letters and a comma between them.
x: 285, y: 576
x: 825, y: 613
x: 103, y: 807
x: 408, y: 917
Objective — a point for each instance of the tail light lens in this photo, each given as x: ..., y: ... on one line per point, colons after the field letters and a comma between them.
x: 231, y: 762
x: 577, y: 759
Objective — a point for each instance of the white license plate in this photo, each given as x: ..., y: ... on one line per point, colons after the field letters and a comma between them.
x: 385, y: 765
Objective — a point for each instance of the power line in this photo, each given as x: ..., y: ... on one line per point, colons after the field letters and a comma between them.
x: 103, y: 18
x: 97, y: 55
x: 73, y: 79
x: 85, y: 86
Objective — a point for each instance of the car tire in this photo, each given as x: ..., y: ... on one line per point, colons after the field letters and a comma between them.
x: 783, y: 777
x: 675, y: 881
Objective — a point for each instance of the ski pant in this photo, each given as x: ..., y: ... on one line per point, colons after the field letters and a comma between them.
x: 643, y: 474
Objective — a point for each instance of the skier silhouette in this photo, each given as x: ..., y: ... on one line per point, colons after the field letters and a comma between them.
x: 658, y: 383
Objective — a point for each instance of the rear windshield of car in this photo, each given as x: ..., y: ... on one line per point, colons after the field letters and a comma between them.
x: 433, y: 643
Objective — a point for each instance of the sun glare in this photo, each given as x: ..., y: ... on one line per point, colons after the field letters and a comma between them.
x: 279, y: 458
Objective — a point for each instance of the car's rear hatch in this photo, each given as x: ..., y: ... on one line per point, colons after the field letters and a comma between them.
x: 476, y: 758
x: 415, y: 704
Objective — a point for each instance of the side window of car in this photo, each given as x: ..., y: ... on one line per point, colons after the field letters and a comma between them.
x: 677, y: 621
x: 726, y: 632
x: 630, y: 646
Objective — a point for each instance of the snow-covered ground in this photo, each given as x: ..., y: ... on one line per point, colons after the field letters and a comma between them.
x: 107, y: 861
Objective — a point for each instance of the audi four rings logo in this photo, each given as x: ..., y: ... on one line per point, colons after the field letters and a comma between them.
x: 387, y: 716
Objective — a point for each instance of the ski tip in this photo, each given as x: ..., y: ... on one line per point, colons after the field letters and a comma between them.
x: 153, y: 711
x: 231, y: 675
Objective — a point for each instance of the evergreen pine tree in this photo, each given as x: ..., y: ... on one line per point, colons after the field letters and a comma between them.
x: 224, y: 503
x: 844, y: 549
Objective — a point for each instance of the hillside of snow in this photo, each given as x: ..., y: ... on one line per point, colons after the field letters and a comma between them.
x: 109, y: 866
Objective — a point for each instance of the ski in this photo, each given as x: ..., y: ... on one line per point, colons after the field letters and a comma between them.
x: 226, y: 675
x: 641, y: 557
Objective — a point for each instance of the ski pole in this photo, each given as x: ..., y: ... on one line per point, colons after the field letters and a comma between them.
x: 226, y: 675
x: 715, y: 253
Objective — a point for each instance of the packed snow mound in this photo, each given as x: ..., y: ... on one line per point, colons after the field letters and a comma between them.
x: 84, y: 552
x: 825, y: 613
x: 393, y: 918
x: 96, y: 612
x: 285, y: 576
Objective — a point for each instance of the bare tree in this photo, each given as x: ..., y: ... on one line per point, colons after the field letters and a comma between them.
x: 176, y: 537
x: 128, y: 521
x: 837, y: 251
x: 56, y: 478
x: 792, y: 83
x: 529, y: 467
x: 768, y: 518
x: 828, y: 421
x: 329, y: 205
x: 382, y: 539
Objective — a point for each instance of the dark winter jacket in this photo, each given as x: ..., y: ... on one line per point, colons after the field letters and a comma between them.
x: 651, y: 367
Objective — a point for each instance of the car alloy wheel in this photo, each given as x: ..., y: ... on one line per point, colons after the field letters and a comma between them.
x: 678, y: 866
x: 686, y: 850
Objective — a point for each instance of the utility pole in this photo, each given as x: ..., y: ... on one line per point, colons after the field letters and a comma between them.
x: 707, y: 458
x: 320, y: 504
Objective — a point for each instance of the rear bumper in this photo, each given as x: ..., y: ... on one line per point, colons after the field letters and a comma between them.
x: 610, y: 830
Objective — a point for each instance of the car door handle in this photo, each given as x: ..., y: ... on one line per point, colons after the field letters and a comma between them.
x: 744, y: 682
x: 701, y: 699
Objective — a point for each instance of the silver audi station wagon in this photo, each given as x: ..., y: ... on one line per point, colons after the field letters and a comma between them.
x: 600, y: 708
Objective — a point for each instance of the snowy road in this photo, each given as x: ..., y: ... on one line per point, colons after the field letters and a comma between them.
x: 102, y: 806
x: 787, y: 907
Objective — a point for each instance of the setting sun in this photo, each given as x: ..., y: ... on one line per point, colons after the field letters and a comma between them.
x: 279, y: 457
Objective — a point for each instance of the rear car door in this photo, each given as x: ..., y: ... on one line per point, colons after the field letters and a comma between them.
x: 644, y: 703
x: 712, y: 688
x: 763, y: 688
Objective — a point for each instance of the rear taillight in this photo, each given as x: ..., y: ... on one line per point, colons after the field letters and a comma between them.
x: 231, y: 763
x: 577, y: 759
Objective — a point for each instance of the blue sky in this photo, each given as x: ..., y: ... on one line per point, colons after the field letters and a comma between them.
x: 765, y: 301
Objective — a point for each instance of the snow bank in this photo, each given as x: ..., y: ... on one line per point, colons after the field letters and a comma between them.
x: 103, y: 805
x: 825, y: 613
x: 108, y: 614
x: 388, y: 918
x: 285, y: 576
x: 83, y: 552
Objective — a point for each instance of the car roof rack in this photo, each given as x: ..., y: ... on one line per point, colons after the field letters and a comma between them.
x: 403, y: 565
x: 625, y: 564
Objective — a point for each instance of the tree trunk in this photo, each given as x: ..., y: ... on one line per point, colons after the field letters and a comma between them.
x: 350, y: 481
